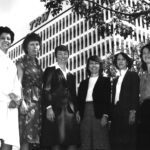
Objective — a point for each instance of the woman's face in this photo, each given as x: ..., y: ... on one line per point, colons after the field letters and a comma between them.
x: 121, y: 62
x: 62, y: 57
x: 33, y: 48
x: 5, y: 41
x: 146, y: 55
x: 94, y: 67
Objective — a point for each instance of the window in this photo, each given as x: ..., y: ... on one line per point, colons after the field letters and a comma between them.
x: 56, y: 27
x: 49, y: 45
x: 103, y: 49
x: 78, y: 45
x: 53, y: 43
x: 99, y: 50
x: 74, y: 31
x: 46, y: 61
x: 90, y: 39
x: 85, y: 24
x: 94, y: 36
x: 108, y: 48
x: 46, y: 47
x: 78, y: 30
x: 70, y: 18
x: 57, y: 41
x: 66, y: 21
x: 78, y: 60
x: 63, y: 37
x: 74, y: 17
x: 85, y: 38
x: 70, y: 64
x: 74, y: 62
x: 70, y: 33
x: 81, y: 27
x: 60, y: 39
x: 50, y: 31
x: 74, y: 46
x: 49, y: 59
x: 53, y: 29
x: 70, y: 48
x: 82, y: 43
x: 59, y: 25
x: 67, y: 36
x: 82, y: 59
x: 63, y: 23
x: 94, y: 50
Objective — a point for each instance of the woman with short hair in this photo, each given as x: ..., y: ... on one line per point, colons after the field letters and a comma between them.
x: 30, y: 76
x: 93, y: 104
x: 10, y: 93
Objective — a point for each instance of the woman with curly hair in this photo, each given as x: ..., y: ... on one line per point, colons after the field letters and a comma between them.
x: 30, y: 75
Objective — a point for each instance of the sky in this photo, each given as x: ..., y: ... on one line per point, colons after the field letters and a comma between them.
x: 17, y: 14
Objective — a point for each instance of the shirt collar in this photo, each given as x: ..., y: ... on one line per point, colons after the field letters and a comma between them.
x: 58, y: 67
x: 123, y: 72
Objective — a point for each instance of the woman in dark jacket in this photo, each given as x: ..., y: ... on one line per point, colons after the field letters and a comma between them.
x: 60, y: 128
x: 125, y: 96
x: 144, y: 123
x: 93, y: 104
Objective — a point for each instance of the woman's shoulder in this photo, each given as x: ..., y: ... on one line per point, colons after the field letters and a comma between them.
x: 84, y: 81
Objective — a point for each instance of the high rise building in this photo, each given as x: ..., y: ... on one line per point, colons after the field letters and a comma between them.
x: 72, y: 30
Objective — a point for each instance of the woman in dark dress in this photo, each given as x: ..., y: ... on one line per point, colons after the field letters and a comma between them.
x: 94, y: 104
x: 30, y: 75
x: 144, y: 124
x: 125, y: 97
x: 59, y: 128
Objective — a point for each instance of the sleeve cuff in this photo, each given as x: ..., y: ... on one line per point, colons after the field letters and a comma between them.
x: 50, y: 106
x: 105, y: 115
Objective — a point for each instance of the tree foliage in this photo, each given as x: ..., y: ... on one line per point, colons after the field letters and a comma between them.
x: 123, y: 13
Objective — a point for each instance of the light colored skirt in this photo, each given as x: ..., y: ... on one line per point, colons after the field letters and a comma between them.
x: 9, y: 127
x: 93, y: 135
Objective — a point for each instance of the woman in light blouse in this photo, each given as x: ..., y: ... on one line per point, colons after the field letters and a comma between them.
x: 10, y: 93
x: 125, y: 96
x: 144, y: 126
x: 93, y: 105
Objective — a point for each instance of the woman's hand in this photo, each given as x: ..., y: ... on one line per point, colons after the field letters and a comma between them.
x: 50, y: 114
x: 104, y: 120
x: 13, y: 96
x: 78, y: 117
x: 132, y: 117
x: 14, y: 103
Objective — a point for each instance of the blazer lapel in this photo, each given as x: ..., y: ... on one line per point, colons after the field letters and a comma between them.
x: 60, y: 74
x: 114, y: 89
x: 124, y: 80
x: 98, y: 82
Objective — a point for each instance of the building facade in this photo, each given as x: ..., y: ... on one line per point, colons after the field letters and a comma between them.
x: 72, y: 30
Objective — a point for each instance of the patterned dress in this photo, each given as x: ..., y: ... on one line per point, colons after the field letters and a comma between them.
x: 30, y: 123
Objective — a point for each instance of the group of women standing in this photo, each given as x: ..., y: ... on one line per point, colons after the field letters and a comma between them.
x: 53, y: 115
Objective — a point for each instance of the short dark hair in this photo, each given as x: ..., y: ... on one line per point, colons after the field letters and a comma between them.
x: 30, y: 37
x: 128, y: 59
x: 7, y: 30
x: 96, y: 59
x: 61, y: 48
x: 143, y: 65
